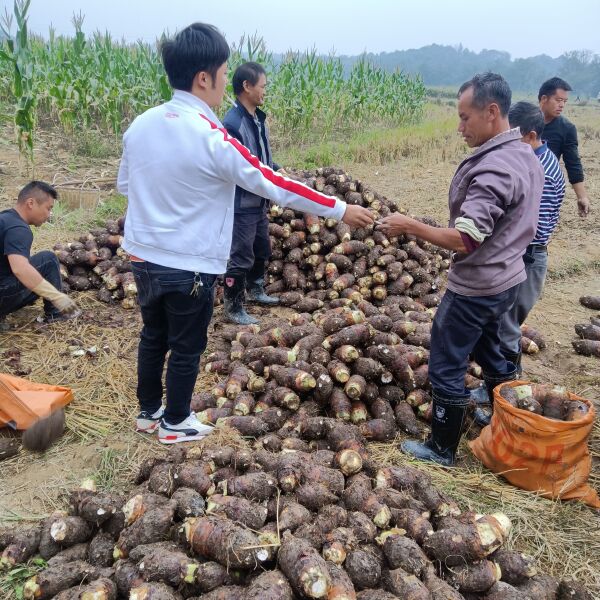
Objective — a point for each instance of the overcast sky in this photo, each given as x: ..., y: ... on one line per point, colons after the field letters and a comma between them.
x: 523, y: 28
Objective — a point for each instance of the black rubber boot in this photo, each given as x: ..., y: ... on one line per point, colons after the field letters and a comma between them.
x: 447, y: 422
x: 481, y: 416
x: 481, y: 395
x: 233, y: 300
x: 515, y: 359
x: 255, y: 285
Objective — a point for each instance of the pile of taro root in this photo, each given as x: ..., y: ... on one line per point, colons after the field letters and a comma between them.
x: 589, y: 333
x: 276, y: 521
x: 97, y: 261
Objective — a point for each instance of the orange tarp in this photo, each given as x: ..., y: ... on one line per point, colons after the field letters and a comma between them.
x: 23, y: 402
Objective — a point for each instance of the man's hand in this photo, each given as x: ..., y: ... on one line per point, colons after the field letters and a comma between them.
x: 395, y: 224
x: 583, y: 204
x: 61, y: 301
x: 64, y: 304
x: 357, y: 216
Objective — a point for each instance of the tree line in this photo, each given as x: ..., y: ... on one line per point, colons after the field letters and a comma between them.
x: 440, y: 65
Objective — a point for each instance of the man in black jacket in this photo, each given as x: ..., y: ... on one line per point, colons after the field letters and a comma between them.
x: 250, y: 247
x: 561, y: 136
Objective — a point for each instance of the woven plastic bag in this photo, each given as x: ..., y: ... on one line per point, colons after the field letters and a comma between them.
x: 536, y: 453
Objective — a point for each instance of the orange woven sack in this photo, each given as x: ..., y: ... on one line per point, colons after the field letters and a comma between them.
x: 536, y: 453
x: 23, y: 402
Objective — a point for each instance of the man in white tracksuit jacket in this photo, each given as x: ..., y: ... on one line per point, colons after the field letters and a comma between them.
x: 179, y: 171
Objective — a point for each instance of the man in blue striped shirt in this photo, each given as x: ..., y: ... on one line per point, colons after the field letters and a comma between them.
x: 530, y: 120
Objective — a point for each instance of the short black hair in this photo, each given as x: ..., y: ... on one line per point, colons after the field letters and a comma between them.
x: 39, y: 190
x: 198, y: 47
x: 488, y: 88
x: 549, y: 87
x: 250, y: 72
x: 527, y: 117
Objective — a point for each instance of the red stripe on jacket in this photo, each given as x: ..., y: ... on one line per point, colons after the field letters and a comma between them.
x: 269, y: 174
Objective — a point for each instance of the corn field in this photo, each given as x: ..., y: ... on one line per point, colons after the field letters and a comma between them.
x: 96, y: 81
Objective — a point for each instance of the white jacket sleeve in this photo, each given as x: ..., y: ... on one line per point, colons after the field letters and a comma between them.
x: 233, y: 162
x: 123, y: 176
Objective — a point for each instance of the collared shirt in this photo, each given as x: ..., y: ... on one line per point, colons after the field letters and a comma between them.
x: 552, y: 196
x: 494, y: 198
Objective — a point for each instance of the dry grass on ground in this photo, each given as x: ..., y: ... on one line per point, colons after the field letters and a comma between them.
x: 565, y: 537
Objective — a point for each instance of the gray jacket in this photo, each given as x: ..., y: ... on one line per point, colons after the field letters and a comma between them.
x: 495, y: 192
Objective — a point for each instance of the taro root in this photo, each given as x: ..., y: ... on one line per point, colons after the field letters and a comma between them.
x: 534, y: 335
x: 222, y: 540
x: 100, y: 589
x: 504, y: 591
x: 244, y: 511
x: 405, y: 418
x: 592, y: 302
x: 476, y: 577
x: 189, y: 503
x: 100, y: 550
x: 23, y: 545
x: 194, y: 475
x: 588, y: 331
x: 153, y: 591
x: 403, y: 552
x: 49, y: 582
x: 417, y: 526
x: 70, y: 530
x: 471, y: 542
x: 515, y: 567
x: 587, y: 347
x: 292, y: 515
x: 438, y: 588
x: 269, y: 585
x: 211, y: 575
x: 342, y: 587
x: 364, y: 568
x: 225, y: 592
x: 9, y: 447
x: 358, y: 496
x: 337, y: 544
x: 173, y: 568
x: 315, y: 495
x: 304, y: 567
x: 76, y: 552
x: 571, y: 590
x: 375, y: 595
x: 379, y: 430
x: 152, y: 526
x: 139, y: 504
x: 96, y: 507
x: 404, y: 585
x: 253, y: 486
x: 576, y: 410
x: 539, y: 587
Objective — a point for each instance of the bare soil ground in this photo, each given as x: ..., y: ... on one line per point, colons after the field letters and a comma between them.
x: 99, y: 441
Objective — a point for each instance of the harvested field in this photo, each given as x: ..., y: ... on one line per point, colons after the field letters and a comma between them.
x: 563, y: 537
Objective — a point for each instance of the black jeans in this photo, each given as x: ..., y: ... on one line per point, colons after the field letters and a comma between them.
x: 176, y: 309
x: 14, y: 295
x: 250, y: 241
x: 465, y: 325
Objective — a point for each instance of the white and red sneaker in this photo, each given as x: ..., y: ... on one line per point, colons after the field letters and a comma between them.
x: 188, y: 430
x: 147, y: 422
